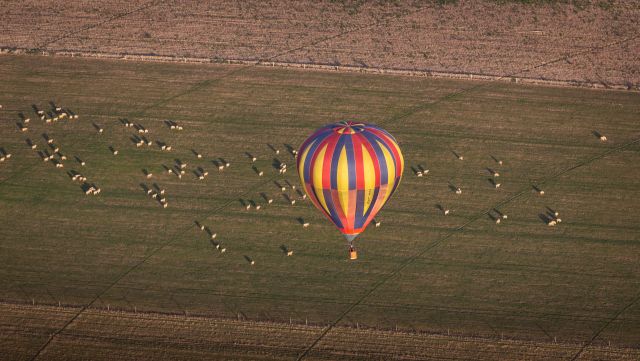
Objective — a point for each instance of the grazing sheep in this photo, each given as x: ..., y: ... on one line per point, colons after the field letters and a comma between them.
x: 183, y: 165
x: 558, y: 220
x: 289, y: 253
x: 497, y: 185
x: 541, y: 192
x: 446, y: 212
x: 223, y: 250
x: 270, y: 200
x: 214, y: 235
x: 305, y: 224
x: 376, y: 223
x: 162, y: 191
x: 293, y: 201
x: 199, y: 156
x: 115, y: 152
x: 458, y: 191
x: 2, y: 158
x: 258, y: 207
x: 27, y: 120
x: 23, y: 128
x: 602, y: 137
x: 253, y: 262
x: 419, y: 173
x: 165, y: 205
x: 551, y: 223
x: 496, y: 174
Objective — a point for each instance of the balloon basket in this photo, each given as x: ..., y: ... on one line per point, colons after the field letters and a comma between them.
x: 353, y: 255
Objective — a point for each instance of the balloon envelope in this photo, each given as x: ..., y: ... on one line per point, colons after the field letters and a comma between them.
x: 349, y: 170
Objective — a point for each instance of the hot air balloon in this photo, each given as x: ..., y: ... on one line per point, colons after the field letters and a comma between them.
x: 349, y: 170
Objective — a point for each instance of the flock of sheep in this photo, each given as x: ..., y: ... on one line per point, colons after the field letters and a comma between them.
x: 53, y: 154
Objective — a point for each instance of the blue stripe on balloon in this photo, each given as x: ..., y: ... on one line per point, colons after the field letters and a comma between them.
x: 351, y: 160
x: 335, y: 157
x: 359, y: 219
x: 311, y: 153
x: 328, y: 199
x: 380, y: 157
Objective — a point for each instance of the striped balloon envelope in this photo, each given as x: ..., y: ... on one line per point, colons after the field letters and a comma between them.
x: 349, y: 170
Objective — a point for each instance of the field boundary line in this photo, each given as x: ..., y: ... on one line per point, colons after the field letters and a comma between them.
x: 471, y: 220
x: 325, y: 67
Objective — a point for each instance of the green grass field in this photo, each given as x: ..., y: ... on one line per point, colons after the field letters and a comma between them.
x: 459, y: 274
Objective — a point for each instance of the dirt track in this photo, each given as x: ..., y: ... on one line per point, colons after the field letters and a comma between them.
x: 593, y: 43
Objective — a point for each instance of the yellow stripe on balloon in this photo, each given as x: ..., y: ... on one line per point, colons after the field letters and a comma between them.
x: 391, y: 171
x: 369, y: 179
x: 342, y: 174
x: 317, y: 177
x: 303, y: 160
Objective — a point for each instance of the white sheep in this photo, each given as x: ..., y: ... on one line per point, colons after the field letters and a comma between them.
x: 446, y: 212
x: 305, y: 224
x: 602, y: 138
x: 377, y: 223
x: 289, y: 253
x: 458, y: 191
x: 497, y: 185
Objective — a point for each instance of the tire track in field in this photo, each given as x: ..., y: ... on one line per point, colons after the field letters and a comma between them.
x: 131, y: 269
x: 601, y: 329
x: 100, y: 23
x: 456, y: 230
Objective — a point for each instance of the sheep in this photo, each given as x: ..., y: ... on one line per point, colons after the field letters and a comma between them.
x: 458, y: 191
x: 27, y: 120
x: 247, y: 207
x: 2, y: 158
x: 377, y: 223
x: 198, y: 155
x: 220, y: 168
x: 149, y: 175
x: 165, y: 205
x: 305, y: 224
x: 258, y: 207
x: 446, y: 212
x: 497, y: 185
x: 114, y: 151
x: 214, y: 235
x: 31, y: 144
x: 23, y: 128
x: 293, y: 201
x: 418, y: 173
x: 551, y: 223
x: 270, y: 200
x: 496, y: 174
x: 289, y: 253
x: 162, y: 191
x: 253, y: 159
x: 182, y: 165
x: 253, y: 262
x: 497, y: 220
x: 223, y: 250
x: 602, y: 137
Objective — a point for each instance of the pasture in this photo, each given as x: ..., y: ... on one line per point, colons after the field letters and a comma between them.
x: 419, y: 273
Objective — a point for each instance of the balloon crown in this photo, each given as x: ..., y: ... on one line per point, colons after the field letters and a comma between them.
x: 348, y: 127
